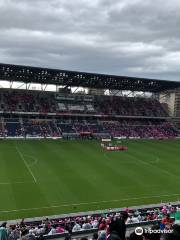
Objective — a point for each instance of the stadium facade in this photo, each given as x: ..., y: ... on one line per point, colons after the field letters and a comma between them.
x: 42, y: 114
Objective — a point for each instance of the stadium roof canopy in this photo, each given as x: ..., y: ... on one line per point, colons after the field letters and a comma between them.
x: 27, y: 74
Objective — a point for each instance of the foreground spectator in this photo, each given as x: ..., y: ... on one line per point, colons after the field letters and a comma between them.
x: 117, y: 227
x: 3, y: 232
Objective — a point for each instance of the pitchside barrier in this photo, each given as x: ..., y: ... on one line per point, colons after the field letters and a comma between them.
x: 75, y: 134
x: 29, y: 137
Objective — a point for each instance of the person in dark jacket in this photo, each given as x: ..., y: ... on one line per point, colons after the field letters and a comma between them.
x: 117, y: 227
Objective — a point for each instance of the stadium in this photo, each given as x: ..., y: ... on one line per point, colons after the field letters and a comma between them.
x: 75, y: 159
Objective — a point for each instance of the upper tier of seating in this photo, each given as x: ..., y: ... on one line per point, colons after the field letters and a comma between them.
x: 47, y: 102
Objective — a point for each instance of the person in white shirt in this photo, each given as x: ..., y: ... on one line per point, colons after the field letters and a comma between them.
x: 178, y: 209
x: 52, y: 232
x: 76, y: 227
x: 86, y: 226
x: 95, y: 223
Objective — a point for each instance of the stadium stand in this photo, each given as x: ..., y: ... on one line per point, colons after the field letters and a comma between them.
x: 35, y: 101
x: 43, y: 114
x: 153, y: 122
x: 148, y: 130
x: 130, y: 107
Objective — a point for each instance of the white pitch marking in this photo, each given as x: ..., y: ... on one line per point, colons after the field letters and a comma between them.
x: 157, y: 160
x: 161, y: 169
x: 27, y: 166
x: 32, y: 157
x: 88, y: 203
x: 9, y: 183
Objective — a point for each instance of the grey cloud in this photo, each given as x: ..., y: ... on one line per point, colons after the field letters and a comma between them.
x: 127, y: 37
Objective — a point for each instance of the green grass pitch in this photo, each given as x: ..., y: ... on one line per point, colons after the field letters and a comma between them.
x: 40, y: 178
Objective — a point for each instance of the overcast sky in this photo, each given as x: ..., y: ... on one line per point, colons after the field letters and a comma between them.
x: 123, y: 37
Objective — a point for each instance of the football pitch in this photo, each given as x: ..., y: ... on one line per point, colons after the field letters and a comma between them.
x: 50, y: 177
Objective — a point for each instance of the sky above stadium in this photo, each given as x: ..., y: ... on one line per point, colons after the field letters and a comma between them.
x: 122, y: 37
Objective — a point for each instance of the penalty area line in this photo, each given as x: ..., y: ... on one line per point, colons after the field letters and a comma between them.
x: 11, y: 183
x: 88, y: 203
x: 32, y: 157
x: 27, y: 166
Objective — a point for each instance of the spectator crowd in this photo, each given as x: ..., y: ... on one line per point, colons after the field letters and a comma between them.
x: 46, y: 102
x: 42, y: 114
x: 112, y: 225
x: 44, y: 128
